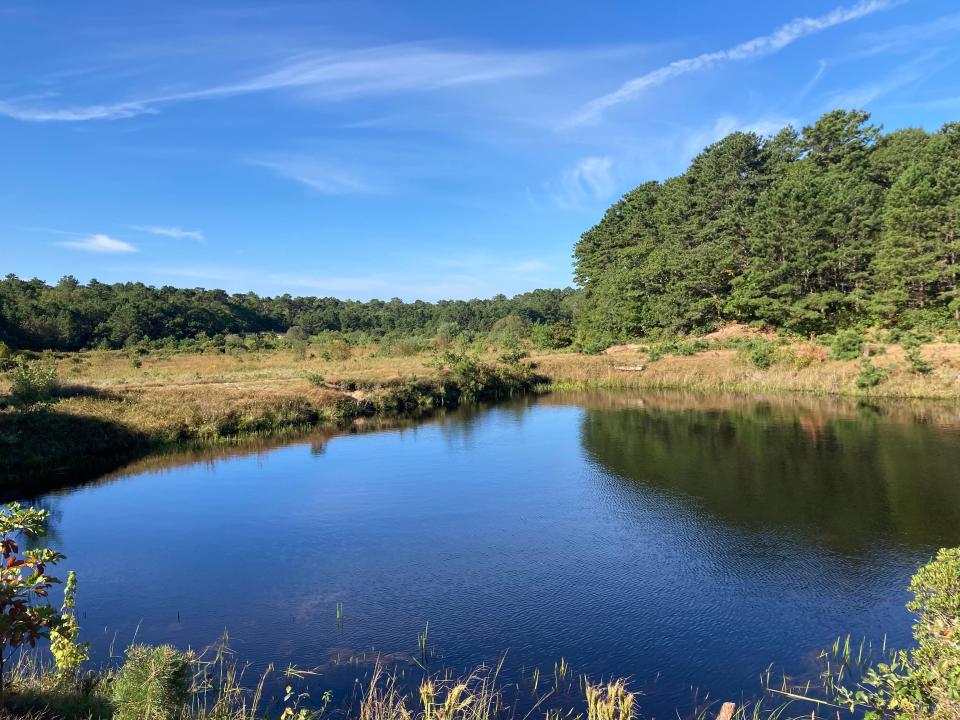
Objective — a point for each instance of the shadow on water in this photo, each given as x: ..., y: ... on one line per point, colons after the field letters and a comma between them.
x: 123, y: 453
x: 40, y: 448
x: 844, y: 473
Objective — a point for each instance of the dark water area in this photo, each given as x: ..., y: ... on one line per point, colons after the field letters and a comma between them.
x: 684, y: 541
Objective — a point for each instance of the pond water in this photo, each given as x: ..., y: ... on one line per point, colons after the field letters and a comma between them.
x: 687, y: 542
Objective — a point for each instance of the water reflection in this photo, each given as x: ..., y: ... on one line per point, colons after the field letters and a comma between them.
x: 844, y: 475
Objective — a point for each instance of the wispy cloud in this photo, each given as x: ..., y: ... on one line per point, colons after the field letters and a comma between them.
x: 906, y: 74
x: 99, y: 243
x: 589, y: 180
x: 171, y: 232
x: 325, y: 76
x: 756, y: 47
x: 319, y: 176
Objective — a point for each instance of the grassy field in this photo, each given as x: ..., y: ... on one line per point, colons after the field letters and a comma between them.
x: 725, y: 370
x: 111, y: 406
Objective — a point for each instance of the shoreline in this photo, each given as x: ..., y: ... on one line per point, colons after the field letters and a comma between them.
x: 99, y: 425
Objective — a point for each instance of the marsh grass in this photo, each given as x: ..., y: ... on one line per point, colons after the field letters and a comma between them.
x: 222, y: 688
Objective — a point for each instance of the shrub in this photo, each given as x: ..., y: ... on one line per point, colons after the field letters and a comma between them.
x: 233, y: 342
x: 397, y: 345
x: 924, y: 682
x: 153, y: 684
x: 316, y: 379
x: 335, y: 349
x: 758, y: 352
x: 762, y: 356
x: 595, y: 347
x: 513, y: 355
x: 509, y: 329
x: 447, y: 332
x: 677, y: 346
x: 913, y: 339
x: 870, y: 375
x: 846, y: 344
x: 6, y: 356
x: 33, y: 382
x: 807, y: 354
x: 65, y: 646
x: 551, y: 337
x: 26, y: 614
x: 917, y: 364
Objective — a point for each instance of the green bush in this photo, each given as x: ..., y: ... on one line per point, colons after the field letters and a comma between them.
x: 513, y: 355
x: 153, y: 684
x: 509, y: 329
x: 32, y: 382
x: 847, y: 344
x: 924, y: 682
x: 913, y: 339
x: 551, y: 337
x: 316, y: 379
x: 870, y: 375
x: 335, y: 348
x: 6, y: 356
x: 917, y: 364
x: 65, y: 646
x: 760, y: 353
x: 677, y: 346
x: 399, y: 345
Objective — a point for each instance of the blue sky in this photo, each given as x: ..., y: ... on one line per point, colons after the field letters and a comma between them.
x: 418, y: 149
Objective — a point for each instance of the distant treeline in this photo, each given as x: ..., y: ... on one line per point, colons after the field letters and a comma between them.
x: 73, y: 316
x: 807, y: 231
x: 831, y: 226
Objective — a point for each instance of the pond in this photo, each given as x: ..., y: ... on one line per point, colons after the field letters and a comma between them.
x: 688, y: 542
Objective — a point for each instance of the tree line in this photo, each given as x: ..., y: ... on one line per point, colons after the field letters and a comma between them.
x: 72, y: 316
x: 808, y: 231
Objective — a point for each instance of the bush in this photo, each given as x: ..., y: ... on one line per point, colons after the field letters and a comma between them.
x: 513, y: 355
x: 335, y: 349
x: 24, y: 585
x: 316, y: 379
x: 509, y: 329
x: 398, y: 345
x: 551, y: 337
x: 33, y: 382
x: 913, y: 339
x: 808, y: 354
x: 677, y: 346
x: 595, y: 347
x: 6, y: 356
x: 759, y: 353
x: 446, y: 333
x: 847, y: 344
x: 870, y: 375
x: 917, y: 364
x: 65, y: 646
x: 924, y: 682
x: 153, y: 684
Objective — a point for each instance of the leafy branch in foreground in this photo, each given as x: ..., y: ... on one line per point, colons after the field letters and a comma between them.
x: 923, y: 682
x: 25, y: 613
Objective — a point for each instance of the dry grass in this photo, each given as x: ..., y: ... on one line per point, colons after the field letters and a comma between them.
x: 802, y: 367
